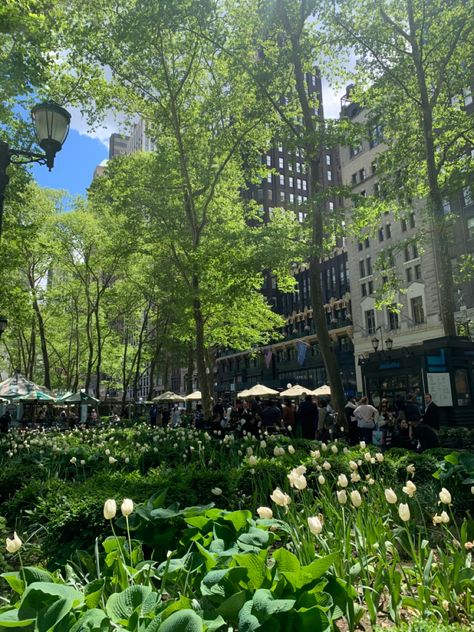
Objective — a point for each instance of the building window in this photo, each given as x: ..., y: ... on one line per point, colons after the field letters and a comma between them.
x: 270, y: 194
x: 269, y: 178
x: 300, y: 199
x: 369, y: 265
x: 370, y: 321
x: 281, y: 163
x: 412, y: 220
x: 407, y: 253
x: 409, y: 275
x: 467, y: 94
x: 305, y: 187
x: 301, y: 217
x: 282, y: 196
x: 470, y: 228
x: 467, y: 196
x: 259, y: 195
x: 404, y: 225
x: 377, y: 189
x: 362, y: 174
x: 290, y: 166
x: 374, y: 168
x: 371, y: 287
x: 354, y: 178
x: 418, y: 272
x: 355, y: 150
x: 417, y: 311
x: 388, y: 231
x: 380, y: 234
x: 360, y: 246
x: 269, y: 161
x: 362, y: 268
x: 328, y: 160
x: 329, y: 175
x: 298, y: 183
x: 392, y: 316
x: 282, y: 180
x: 367, y: 242
x: 298, y: 167
x: 292, y: 198
x: 446, y: 207
x: 331, y: 208
x: 290, y: 182
x: 415, y: 251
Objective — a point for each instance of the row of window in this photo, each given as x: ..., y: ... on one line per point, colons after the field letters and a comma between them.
x: 300, y: 184
x: 393, y: 317
x: 300, y: 166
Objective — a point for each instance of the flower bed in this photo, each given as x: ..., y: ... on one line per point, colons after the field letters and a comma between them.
x: 278, y: 533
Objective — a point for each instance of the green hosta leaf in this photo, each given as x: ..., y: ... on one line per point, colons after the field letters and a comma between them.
x: 256, y: 565
x: 121, y: 606
x: 209, y: 559
x: 318, y: 567
x: 254, y: 539
x: 183, y: 603
x: 14, y: 581
x: 33, y: 574
x: 230, y: 608
x: 286, y: 562
x: 10, y: 619
x: 222, y: 582
x: 182, y: 621
x: 310, y: 619
x: 39, y: 595
x: 113, y: 544
x: 238, y: 518
x: 93, y: 592
x: 263, y: 608
x: 94, y: 620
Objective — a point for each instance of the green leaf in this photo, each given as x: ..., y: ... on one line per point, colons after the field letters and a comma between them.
x: 318, y: 567
x: 254, y: 539
x: 238, y: 518
x: 14, y: 581
x: 121, y: 606
x: 182, y: 621
x: 93, y: 592
x: 286, y: 562
x: 256, y: 565
x: 34, y: 574
x: 230, y: 608
x: 222, y: 582
x: 11, y: 619
x: 93, y: 621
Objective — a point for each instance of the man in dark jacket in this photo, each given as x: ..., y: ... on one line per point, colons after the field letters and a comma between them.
x: 307, y: 416
x: 412, y: 412
x: 431, y: 415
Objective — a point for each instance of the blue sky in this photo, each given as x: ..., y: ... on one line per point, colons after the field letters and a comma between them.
x: 74, y: 164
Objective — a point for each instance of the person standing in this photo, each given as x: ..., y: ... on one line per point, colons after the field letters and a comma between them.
x: 353, y: 434
x: 307, y: 416
x: 153, y: 415
x: 431, y: 414
x: 366, y: 414
x: 289, y: 415
x: 412, y: 412
x: 271, y: 415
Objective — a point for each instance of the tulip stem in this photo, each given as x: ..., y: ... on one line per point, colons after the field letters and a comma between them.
x: 129, y: 541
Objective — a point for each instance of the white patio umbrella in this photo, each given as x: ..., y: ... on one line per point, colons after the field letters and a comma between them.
x: 296, y: 391
x: 168, y: 397
x: 322, y: 390
x: 243, y: 394
x: 194, y: 397
x: 259, y: 390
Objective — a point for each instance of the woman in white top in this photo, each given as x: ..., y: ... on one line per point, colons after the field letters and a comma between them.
x: 366, y: 414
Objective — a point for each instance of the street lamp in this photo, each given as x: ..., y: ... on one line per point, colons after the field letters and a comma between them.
x: 389, y: 344
x: 52, y: 127
x: 3, y: 324
x: 375, y: 343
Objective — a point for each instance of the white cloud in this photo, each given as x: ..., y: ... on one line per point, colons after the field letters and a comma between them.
x: 331, y: 101
x: 111, y: 123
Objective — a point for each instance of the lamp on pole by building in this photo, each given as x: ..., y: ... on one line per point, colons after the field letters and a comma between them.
x: 52, y: 126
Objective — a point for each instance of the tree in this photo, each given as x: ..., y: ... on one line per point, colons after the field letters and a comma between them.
x: 414, y: 66
x: 197, y: 109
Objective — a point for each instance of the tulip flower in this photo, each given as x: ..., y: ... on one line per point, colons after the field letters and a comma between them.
x: 326, y: 466
x: 355, y: 477
x: 334, y: 449
x: 404, y: 512
x: 315, y: 454
x: 110, y: 509
x: 445, y: 496
x: 342, y: 480
x: 265, y: 513
x: 291, y: 449
x: 409, y: 489
x: 127, y: 507
x: 217, y: 491
x: 315, y: 525
x: 379, y: 456
x: 263, y: 444
x: 356, y: 498
x: 321, y: 479
x: 353, y: 465
x: 342, y: 497
x: 280, y: 498
x: 13, y: 545
x: 444, y: 517
x: 363, y: 445
x: 390, y: 496
x: 411, y: 469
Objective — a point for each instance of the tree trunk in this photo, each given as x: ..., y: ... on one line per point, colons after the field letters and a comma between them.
x: 203, y: 377
x: 435, y: 199
x: 44, y: 347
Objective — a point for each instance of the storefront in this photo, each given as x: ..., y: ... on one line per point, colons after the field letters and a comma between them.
x: 443, y: 367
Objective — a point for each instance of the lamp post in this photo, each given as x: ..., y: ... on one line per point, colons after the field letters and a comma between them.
x: 52, y: 127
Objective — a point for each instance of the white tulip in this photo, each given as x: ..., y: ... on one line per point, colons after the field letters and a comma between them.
x: 127, y: 507
x: 353, y: 465
x: 404, y: 512
x: 291, y: 449
x: 252, y: 460
x: 342, y: 480
x: 280, y: 498
x: 73, y: 460
x: 379, y: 456
x: 217, y: 491
x: 324, y: 447
x: 110, y: 509
x: 316, y: 454
x: 315, y: 525
x: 363, y: 445
x: 265, y: 513
x: 13, y: 545
x: 342, y: 497
x: 445, y: 496
x: 326, y: 466
x: 409, y: 489
x: 390, y: 496
x: 334, y: 449
x: 411, y: 469
x: 444, y: 517
x: 356, y: 498
x: 355, y: 477
x: 321, y: 479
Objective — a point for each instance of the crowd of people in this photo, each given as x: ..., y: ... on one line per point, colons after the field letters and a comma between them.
x: 398, y: 424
